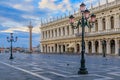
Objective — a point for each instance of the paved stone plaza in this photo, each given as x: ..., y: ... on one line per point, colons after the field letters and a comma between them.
x: 57, y: 67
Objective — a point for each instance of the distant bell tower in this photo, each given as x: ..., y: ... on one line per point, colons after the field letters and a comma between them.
x: 30, y: 36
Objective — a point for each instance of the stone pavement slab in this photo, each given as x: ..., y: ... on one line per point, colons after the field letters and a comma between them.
x: 57, y: 67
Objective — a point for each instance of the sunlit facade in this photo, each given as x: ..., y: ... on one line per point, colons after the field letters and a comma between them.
x: 59, y: 37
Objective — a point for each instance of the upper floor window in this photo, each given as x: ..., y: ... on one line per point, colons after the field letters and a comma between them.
x: 46, y: 34
x: 103, y: 24
x: 52, y: 32
x: 112, y: 22
x: 96, y: 25
x: 49, y: 33
x: 56, y: 32
x: 43, y: 34
x: 59, y: 32
x: 63, y: 31
x: 67, y: 30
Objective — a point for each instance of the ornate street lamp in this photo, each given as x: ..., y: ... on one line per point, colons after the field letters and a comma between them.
x: 11, y: 39
x: 83, y: 22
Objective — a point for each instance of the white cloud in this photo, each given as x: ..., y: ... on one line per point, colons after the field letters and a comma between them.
x: 23, y: 7
x: 50, y: 4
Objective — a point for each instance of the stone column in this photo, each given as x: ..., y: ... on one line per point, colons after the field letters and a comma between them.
x: 75, y: 48
x: 58, y: 48
x: 80, y: 46
x: 116, y: 47
x: 65, y: 47
x: 70, y: 30
x: 66, y: 30
x: 116, y: 21
x: 100, y: 47
x: 61, y: 31
x: 41, y: 46
x: 99, y: 24
x: 62, y: 48
x: 108, y: 46
x: 108, y: 22
x: 86, y: 46
x: 57, y: 32
x: 93, y: 47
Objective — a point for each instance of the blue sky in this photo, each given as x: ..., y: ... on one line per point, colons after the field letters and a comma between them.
x: 15, y: 16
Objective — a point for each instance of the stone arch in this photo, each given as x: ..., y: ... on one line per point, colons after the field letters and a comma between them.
x: 104, y: 49
x: 90, y: 47
x: 96, y: 46
x: 112, y: 46
x: 63, y: 48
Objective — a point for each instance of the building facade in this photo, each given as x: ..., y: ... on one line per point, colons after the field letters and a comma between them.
x: 58, y: 36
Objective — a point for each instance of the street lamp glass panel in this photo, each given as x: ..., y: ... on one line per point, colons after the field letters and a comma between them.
x: 87, y: 13
x: 82, y: 7
x: 71, y: 19
x: 93, y: 18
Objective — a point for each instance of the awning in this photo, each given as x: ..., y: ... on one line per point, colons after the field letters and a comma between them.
x: 72, y: 45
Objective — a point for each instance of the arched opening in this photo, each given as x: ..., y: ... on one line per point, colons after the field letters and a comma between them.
x: 43, y: 49
x: 96, y: 46
x: 104, y: 46
x: 46, y: 48
x: 60, y: 48
x: 49, y: 49
x: 52, y: 48
x: 78, y: 48
x: 63, y: 48
x: 55, y: 47
x: 103, y: 24
x: 112, y: 22
x: 89, y: 47
x: 112, y: 46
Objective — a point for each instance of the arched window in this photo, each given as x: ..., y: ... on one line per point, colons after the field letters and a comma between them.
x: 103, y: 23
x: 67, y: 30
x: 96, y: 25
x: 59, y: 32
x: 63, y: 31
x: 56, y: 32
x: 112, y: 22
x: 52, y: 33
x: 46, y: 34
x: 43, y: 34
x: 49, y: 33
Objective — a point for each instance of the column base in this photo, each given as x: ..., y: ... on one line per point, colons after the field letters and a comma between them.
x: 83, y: 71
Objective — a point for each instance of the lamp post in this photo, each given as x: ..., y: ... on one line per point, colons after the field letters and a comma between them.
x: 104, y: 45
x: 11, y: 39
x: 83, y: 22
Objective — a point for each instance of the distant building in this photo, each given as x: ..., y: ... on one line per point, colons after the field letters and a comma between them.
x: 58, y: 36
